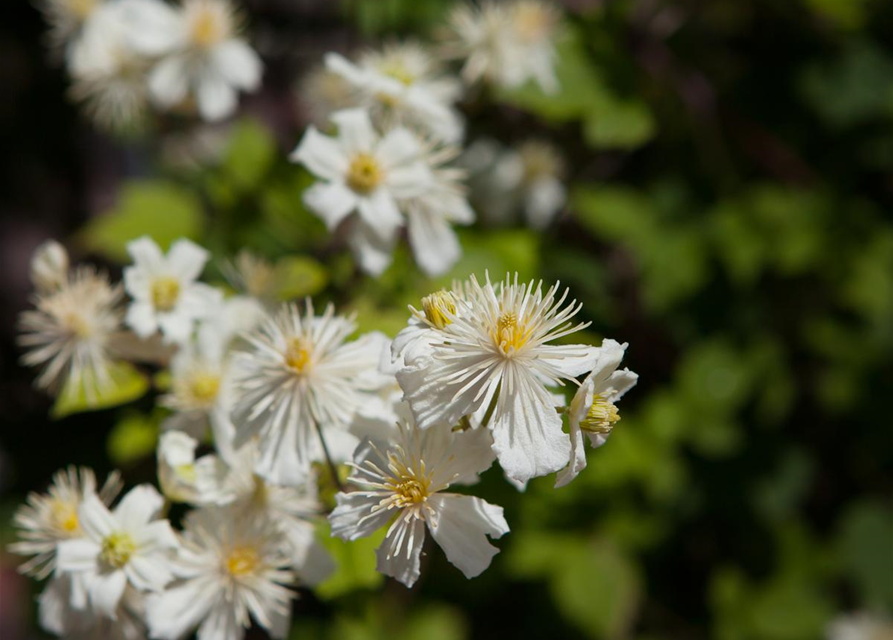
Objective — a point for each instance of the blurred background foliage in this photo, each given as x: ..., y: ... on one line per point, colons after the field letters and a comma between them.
x: 730, y: 165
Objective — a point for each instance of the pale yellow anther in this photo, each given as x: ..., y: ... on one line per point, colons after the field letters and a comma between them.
x: 509, y: 334
x: 602, y: 416
x: 65, y: 517
x: 208, y: 27
x: 242, y: 561
x: 297, y: 354
x: 410, y: 486
x: 398, y: 72
x: 204, y: 387
x: 364, y: 174
x: 117, y: 549
x: 165, y: 292
x: 81, y: 9
x: 186, y: 472
x: 438, y: 308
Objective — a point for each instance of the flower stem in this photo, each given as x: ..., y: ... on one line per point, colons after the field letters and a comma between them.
x: 486, y: 421
x: 332, y: 468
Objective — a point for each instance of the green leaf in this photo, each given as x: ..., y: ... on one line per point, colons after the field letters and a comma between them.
x: 354, y: 561
x: 618, y: 124
x: 299, y: 276
x: 132, y: 439
x: 127, y: 384
x: 160, y: 210
x: 866, y: 548
x: 250, y: 154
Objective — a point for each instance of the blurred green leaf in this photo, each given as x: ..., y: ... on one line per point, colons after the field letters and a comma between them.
x: 354, y: 564
x: 865, y: 543
x: 133, y: 438
x: 126, y: 384
x: 249, y: 155
x: 163, y: 211
x: 299, y: 276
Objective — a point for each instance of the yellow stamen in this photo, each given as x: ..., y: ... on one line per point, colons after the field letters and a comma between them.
x: 81, y: 9
x: 117, y: 549
x: 398, y: 72
x: 602, y: 416
x: 165, y: 292
x: 64, y: 517
x: 364, y: 174
x: 410, y: 486
x: 208, y: 28
x: 297, y: 354
x: 242, y: 561
x: 438, y: 308
x: 186, y: 472
x: 509, y: 335
x: 204, y: 387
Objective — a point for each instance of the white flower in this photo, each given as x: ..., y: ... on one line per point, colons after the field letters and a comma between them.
x: 299, y: 376
x: 203, y: 57
x: 66, y: 19
x: 185, y: 479
x: 69, y: 332
x: 506, y: 43
x: 403, y: 85
x: 493, y: 352
x: 294, y: 510
x: 229, y: 567
x: 434, y: 243
x: 407, y: 482
x: 531, y: 176
x: 322, y: 92
x: 129, y: 546
x: 50, y: 518
x: 49, y: 267
x: 593, y: 410
x: 164, y: 289
x: 364, y: 173
x: 860, y: 626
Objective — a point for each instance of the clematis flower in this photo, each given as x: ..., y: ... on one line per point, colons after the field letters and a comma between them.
x: 164, y: 289
x: 298, y: 378
x: 593, y: 410
x: 493, y: 353
x: 185, y: 479
x: 230, y: 569
x: 364, y: 173
x: 403, y: 85
x: 127, y: 547
x: 405, y: 483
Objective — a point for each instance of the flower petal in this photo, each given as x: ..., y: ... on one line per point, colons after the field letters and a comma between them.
x: 186, y: 260
x: 355, y: 131
x: 216, y: 98
x: 169, y: 81
x: 399, y: 554
x: 106, y: 591
x: 238, y: 64
x: 332, y: 202
x: 138, y: 507
x: 321, y: 155
x: 353, y: 517
x: 434, y: 243
x: 461, y: 529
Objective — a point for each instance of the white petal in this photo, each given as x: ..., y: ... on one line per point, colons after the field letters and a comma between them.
x: 434, y: 243
x: 169, y: 81
x: 461, y: 529
x: 106, y: 591
x: 353, y: 517
x: 221, y: 624
x: 186, y: 260
x: 345, y: 68
x: 332, y: 202
x: 321, y: 154
x: 545, y: 199
x: 216, y: 98
x: 620, y: 382
x: 176, y: 327
x: 355, y: 131
x: 138, y: 507
x: 399, y: 147
x: 398, y: 555
x: 154, y: 28
x: 146, y: 253
x: 527, y: 435
x: 141, y: 318
x: 577, y: 458
x: 409, y: 181
x: 470, y: 454
x: 77, y: 555
x: 170, y: 615
x: 95, y: 518
x: 238, y: 64
x: 372, y: 252
x: 570, y: 360
x: 381, y: 215
x: 147, y: 574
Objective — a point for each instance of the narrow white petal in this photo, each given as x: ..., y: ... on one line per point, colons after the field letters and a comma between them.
x: 399, y: 553
x: 355, y: 131
x: 186, y: 259
x: 321, y: 154
x: 216, y: 98
x: 353, y: 518
x: 238, y: 64
x: 169, y: 81
x: 434, y: 243
x: 461, y: 529
x: 106, y: 591
x: 332, y: 202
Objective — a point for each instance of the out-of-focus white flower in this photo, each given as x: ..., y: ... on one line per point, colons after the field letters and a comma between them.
x: 202, y: 57
x: 532, y: 174
x: 860, y: 626
x: 49, y: 518
x: 406, y: 482
x: 593, y: 410
x: 58, y: 614
x: 495, y: 353
x: 363, y: 172
x: 69, y: 331
x: 49, y: 267
x: 294, y: 510
x: 299, y: 376
x: 129, y: 546
x: 185, y: 479
x: 505, y: 43
x: 403, y: 85
x: 430, y: 215
x: 165, y: 291
x: 323, y: 92
x: 229, y: 568
x: 66, y: 18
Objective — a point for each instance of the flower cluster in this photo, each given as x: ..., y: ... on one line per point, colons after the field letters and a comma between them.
x: 125, y: 56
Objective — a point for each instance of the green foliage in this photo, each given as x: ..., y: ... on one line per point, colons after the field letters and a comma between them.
x: 133, y: 438
x: 161, y: 210
x: 125, y: 385
x: 865, y: 544
x: 355, y: 562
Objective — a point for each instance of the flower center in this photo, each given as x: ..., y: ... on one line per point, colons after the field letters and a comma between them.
x: 165, y: 292
x: 438, y: 308
x: 510, y: 336
x: 398, y: 72
x: 117, y: 549
x: 532, y: 21
x: 81, y: 9
x: 602, y: 416
x: 208, y: 27
x: 186, y: 472
x: 203, y: 387
x: 364, y: 174
x: 64, y: 517
x: 297, y: 355
x: 241, y: 561
x: 410, y: 486
x: 77, y: 324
